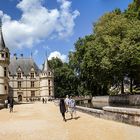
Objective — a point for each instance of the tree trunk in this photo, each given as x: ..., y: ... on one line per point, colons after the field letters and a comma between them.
x: 100, y: 90
x: 131, y: 84
x: 122, y: 87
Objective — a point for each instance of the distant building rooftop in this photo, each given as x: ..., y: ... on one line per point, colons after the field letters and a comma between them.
x: 24, y: 63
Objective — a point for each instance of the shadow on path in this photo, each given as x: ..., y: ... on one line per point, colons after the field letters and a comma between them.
x: 76, y: 118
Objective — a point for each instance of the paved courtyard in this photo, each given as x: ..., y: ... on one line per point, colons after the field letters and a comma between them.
x: 44, y: 122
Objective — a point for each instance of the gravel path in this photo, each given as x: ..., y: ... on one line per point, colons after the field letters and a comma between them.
x: 44, y: 122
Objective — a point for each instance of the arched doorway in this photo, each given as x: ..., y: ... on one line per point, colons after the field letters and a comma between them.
x: 19, y: 98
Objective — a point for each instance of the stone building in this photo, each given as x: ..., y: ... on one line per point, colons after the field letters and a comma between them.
x: 4, y: 62
x: 21, y: 78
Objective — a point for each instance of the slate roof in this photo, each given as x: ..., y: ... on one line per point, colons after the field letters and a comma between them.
x: 25, y: 64
x: 2, y: 43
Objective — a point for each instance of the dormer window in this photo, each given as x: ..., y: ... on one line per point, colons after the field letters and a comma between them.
x: 32, y: 75
x: 2, y: 55
x: 19, y: 74
x: 49, y: 73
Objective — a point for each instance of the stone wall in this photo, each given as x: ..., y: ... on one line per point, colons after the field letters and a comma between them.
x: 117, y: 100
x: 125, y: 115
x: 100, y: 101
x: 94, y: 112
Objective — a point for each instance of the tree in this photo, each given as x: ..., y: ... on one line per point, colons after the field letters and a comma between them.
x: 104, y: 58
x: 64, y: 78
x: 108, y: 55
x: 133, y: 11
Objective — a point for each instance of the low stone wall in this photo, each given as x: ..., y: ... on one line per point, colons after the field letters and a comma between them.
x: 2, y: 100
x: 94, y: 112
x: 121, y: 100
x: 100, y: 101
x: 125, y: 115
x: 1, y: 106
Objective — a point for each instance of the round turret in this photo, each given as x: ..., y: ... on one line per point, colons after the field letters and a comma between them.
x: 46, y: 81
x: 4, y: 62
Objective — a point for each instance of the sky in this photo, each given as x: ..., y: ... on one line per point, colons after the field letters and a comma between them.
x: 49, y: 28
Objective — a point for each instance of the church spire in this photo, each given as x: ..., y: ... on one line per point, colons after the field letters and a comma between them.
x: 2, y: 43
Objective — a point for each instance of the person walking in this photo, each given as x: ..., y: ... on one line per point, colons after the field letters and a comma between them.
x: 72, y: 106
x: 8, y: 106
x: 6, y: 103
x: 62, y: 108
x: 43, y: 100
x: 67, y: 102
x: 11, y: 104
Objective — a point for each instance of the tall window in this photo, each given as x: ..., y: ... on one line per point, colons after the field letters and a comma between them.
x: 49, y: 82
x: 49, y: 92
x: 6, y: 55
x: 5, y: 87
x: 32, y: 93
x: 32, y: 75
x: 19, y: 74
x: 32, y: 84
x: 5, y: 71
x: 19, y: 84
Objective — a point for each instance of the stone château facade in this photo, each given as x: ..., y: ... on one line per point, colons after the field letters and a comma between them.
x: 21, y: 78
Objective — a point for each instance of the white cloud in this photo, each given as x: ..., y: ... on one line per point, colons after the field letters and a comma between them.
x: 37, y: 23
x: 57, y: 54
x: 46, y: 47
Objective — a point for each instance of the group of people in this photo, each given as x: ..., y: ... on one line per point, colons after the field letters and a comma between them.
x: 67, y: 105
x: 9, y: 103
x: 44, y: 100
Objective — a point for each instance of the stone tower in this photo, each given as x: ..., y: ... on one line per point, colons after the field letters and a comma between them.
x: 46, y: 81
x: 4, y: 62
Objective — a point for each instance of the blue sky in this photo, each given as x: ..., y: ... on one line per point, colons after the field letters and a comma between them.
x: 52, y: 26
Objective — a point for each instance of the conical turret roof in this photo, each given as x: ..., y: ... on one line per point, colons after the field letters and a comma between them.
x: 2, y: 43
x: 46, y: 66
